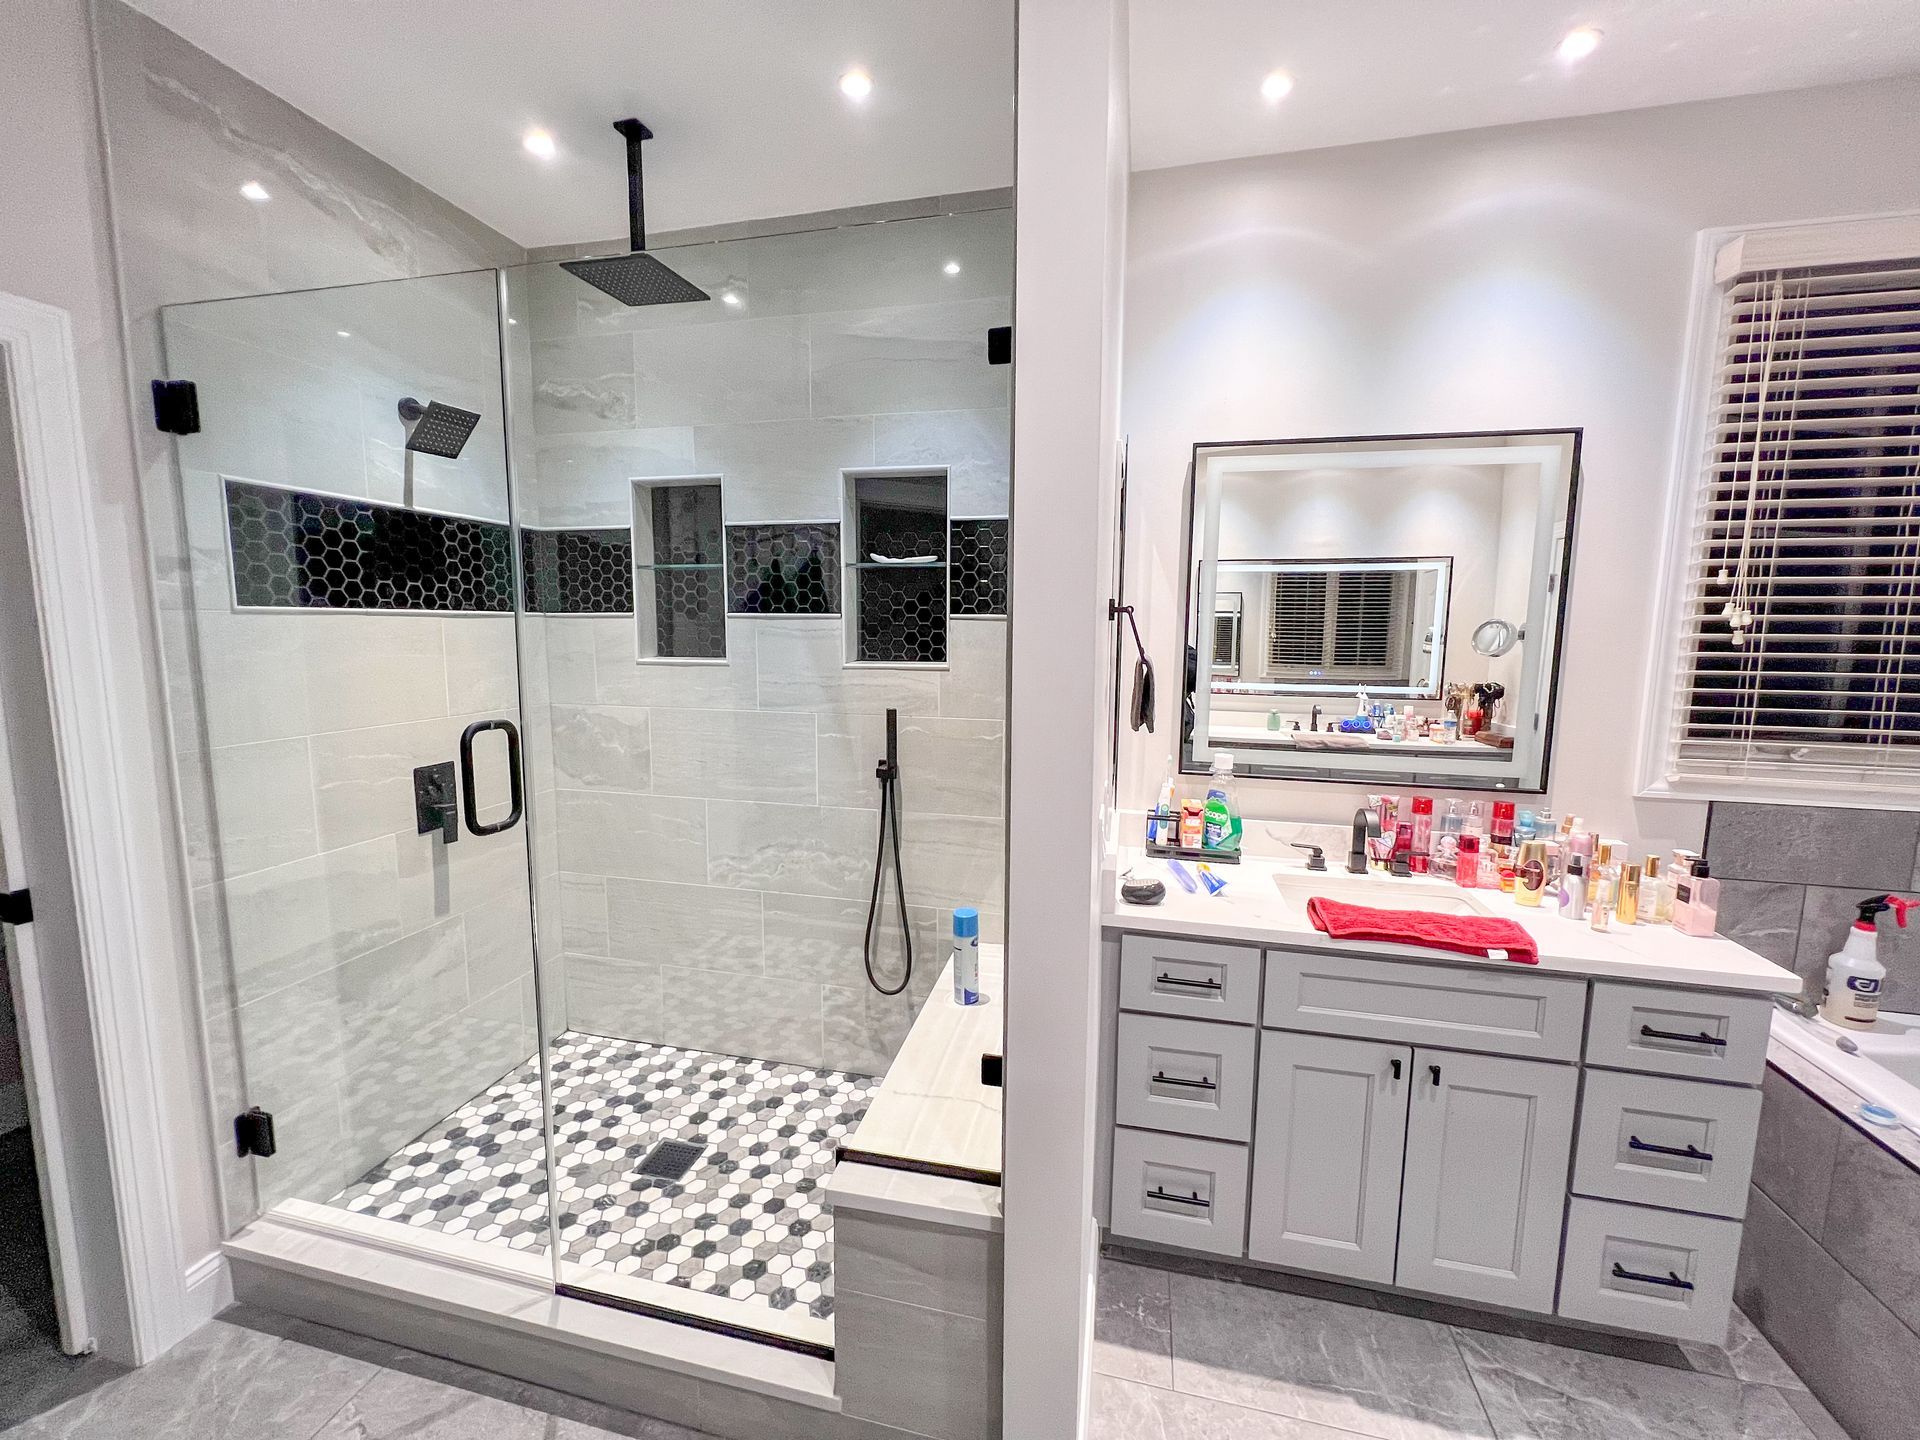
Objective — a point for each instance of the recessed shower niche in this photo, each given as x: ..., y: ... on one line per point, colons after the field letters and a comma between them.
x: 631, y: 613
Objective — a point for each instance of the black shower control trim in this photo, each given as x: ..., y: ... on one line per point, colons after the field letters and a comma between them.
x: 436, y: 806
x: 176, y: 407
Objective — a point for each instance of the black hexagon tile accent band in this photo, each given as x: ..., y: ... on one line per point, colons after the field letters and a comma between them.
x: 578, y: 572
x: 783, y: 569
x: 301, y: 551
x: 978, y: 575
x: 746, y: 1222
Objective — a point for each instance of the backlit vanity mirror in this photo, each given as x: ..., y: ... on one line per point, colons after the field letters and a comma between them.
x: 1384, y: 609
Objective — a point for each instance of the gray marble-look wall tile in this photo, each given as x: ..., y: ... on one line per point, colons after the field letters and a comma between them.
x: 954, y: 859
x: 1824, y: 922
x: 705, y: 927
x: 735, y: 755
x: 737, y: 1014
x: 975, y: 682
x: 587, y: 479
x: 583, y: 914
x: 295, y: 921
x: 623, y: 679
x: 784, y: 470
x: 263, y: 808
x: 958, y: 1271
x: 644, y: 837
x: 584, y: 383
x: 947, y: 767
x: 883, y: 1376
x: 802, y: 666
x: 601, y: 747
x: 483, y: 659
x: 973, y: 446
x: 862, y: 266
x: 1554, y: 1393
x: 1388, y: 1376
x: 621, y: 998
x: 735, y: 373
x: 799, y: 849
x: 1853, y: 1353
x: 1813, y: 845
x: 1133, y: 1324
x: 1873, y: 1222
x: 822, y: 938
x: 1793, y: 1160
x: 1763, y: 915
x: 861, y: 1029
x: 908, y: 358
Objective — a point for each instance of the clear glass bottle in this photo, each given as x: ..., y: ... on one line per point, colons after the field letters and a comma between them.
x: 1600, y: 897
x: 1649, y: 882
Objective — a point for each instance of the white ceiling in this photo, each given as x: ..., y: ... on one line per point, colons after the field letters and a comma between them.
x: 1379, y: 69
x: 742, y: 95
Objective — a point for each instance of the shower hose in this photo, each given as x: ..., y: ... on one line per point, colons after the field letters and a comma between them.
x: 888, y: 773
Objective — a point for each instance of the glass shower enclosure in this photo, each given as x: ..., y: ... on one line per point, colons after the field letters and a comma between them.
x: 531, y: 660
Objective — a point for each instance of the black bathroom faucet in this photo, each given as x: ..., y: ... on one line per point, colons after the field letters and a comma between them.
x: 1366, y: 826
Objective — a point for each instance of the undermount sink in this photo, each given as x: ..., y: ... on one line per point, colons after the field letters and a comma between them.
x: 1384, y: 893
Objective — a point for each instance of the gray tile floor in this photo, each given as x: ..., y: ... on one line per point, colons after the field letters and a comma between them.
x: 1192, y: 1353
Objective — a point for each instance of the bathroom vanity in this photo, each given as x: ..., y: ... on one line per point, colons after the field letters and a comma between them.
x: 1571, y: 1138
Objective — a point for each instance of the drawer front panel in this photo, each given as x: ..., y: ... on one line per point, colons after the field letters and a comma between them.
x: 1655, y: 1140
x: 1180, y: 1191
x: 1500, y: 1012
x: 1695, y: 1034
x: 1649, y: 1270
x: 1194, y: 1077
x: 1194, y: 978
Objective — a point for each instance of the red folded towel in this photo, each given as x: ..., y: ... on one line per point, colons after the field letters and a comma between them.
x: 1485, y: 936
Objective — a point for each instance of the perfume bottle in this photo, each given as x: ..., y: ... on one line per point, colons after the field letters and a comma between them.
x: 1601, y: 894
x: 1649, y: 902
x: 1696, y: 902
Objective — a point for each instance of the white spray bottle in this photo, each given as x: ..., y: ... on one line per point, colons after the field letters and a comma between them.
x: 1854, y: 971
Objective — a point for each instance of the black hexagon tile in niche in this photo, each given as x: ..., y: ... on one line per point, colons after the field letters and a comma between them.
x: 783, y: 569
x: 296, y: 550
x: 903, y: 616
x: 978, y: 577
x: 578, y: 572
x: 746, y: 1221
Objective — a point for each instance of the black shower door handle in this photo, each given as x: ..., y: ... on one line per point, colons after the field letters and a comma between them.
x: 470, y: 796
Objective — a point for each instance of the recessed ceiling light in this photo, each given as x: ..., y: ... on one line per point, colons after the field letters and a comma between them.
x: 539, y: 143
x: 856, y: 84
x: 255, y: 191
x: 732, y: 297
x: 1276, y: 87
x: 952, y: 267
x: 1580, y: 43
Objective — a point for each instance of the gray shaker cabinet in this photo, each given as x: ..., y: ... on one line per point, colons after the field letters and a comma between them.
x: 1485, y: 1182
x: 1326, y: 1171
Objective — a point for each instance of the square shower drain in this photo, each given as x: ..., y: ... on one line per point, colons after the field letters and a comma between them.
x: 670, y: 1159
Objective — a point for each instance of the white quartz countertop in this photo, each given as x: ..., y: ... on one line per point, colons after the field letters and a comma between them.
x: 1253, y: 908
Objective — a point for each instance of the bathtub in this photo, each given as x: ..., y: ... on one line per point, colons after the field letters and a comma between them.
x: 1881, y: 1064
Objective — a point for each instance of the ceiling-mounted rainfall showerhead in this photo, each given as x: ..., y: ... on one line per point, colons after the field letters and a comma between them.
x: 436, y: 429
x: 636, y: 278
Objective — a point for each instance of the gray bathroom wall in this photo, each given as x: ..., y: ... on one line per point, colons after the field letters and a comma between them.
x: 1791, y: 875
x: 183, y: 133
x: 716, y: 823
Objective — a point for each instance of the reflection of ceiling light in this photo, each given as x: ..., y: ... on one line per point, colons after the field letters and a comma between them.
x: 856, y: 85
x: 952, y: 267
x: 1276, y: 87
x: 539, y: 143
x: 512, y: 321
x: 255, y: 191
x: 731, y: 297
x: 344, y: 334
x: 1580, y: 43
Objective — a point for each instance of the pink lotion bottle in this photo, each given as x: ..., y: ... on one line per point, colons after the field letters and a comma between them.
x: 1696, y: 902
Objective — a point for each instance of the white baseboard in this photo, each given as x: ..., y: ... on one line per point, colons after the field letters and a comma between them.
x: 208, y: 1289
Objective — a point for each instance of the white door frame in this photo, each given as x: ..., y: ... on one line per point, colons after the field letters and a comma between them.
x: 126, y: 1276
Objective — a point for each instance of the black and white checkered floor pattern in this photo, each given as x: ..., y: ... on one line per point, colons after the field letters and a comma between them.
x: 746, y: 1221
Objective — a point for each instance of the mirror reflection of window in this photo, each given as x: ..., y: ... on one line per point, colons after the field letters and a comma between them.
x: 1227, y: 612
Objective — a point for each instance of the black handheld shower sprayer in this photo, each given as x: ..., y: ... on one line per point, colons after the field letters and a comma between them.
x: 887, y: 772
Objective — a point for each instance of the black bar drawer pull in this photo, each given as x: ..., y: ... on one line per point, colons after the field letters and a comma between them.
x: 1670, y: 1280
x: 1200, y: 1084
x: 1634, y: 1142
x: 1396, y: 1068
x: 468, y: 791
x: 1187, y: 984
x: 1703, y: 1038
x: 1434, y: 1071
x: 1193, y: 1199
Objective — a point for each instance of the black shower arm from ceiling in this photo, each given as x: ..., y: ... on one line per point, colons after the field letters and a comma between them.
x: 636, y: 135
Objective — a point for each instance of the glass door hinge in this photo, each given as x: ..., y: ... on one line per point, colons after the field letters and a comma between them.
x: 253, y: 1133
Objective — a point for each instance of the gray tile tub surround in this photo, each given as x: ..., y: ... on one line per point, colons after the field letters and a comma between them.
x: 1791, y: 876
x: 1830, y: 1262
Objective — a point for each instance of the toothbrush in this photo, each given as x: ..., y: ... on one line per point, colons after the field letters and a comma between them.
x: 1184, y: 876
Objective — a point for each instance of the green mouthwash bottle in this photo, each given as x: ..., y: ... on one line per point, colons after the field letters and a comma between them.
x: 1221, y: 817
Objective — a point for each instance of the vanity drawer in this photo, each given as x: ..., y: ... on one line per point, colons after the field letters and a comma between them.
x: 1631, y: 1127
x: 1694, y: 1033
x: 1180, y: 1191
x: 1190, y: 1076
x: 1502, y: 1012
x: 1649, y: 1270
x: 1194, y: 978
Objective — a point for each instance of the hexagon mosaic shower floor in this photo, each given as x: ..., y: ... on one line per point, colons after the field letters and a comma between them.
x: 746, y: 1221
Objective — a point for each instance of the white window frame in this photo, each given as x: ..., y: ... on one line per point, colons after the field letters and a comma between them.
x: 1719, y: 255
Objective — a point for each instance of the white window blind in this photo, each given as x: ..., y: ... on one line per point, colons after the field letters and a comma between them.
x: 1799, y: 653
x: 1297, y: 637
x: 1347, y: 625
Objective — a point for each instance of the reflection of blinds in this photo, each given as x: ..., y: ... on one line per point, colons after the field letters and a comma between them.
x: 1800, y: 662
x: 1298, y: 635
x: 1366, y: 618
x: 1226, y: 640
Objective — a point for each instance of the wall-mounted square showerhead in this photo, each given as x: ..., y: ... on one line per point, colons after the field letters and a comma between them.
x: 636, y: 279
x: 436, y: 429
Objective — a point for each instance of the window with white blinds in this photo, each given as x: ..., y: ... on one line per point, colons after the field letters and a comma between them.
x: 1347, y: 625
x: 1799, y: 650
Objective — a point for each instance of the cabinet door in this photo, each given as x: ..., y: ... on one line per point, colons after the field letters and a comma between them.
x: 1326, y: 1153
x: 1485, y: 1188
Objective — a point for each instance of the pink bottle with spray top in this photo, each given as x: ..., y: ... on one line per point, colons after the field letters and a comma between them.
x: 1422, y: 834
x: 1696, y: 902
x: 1466, y: 861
